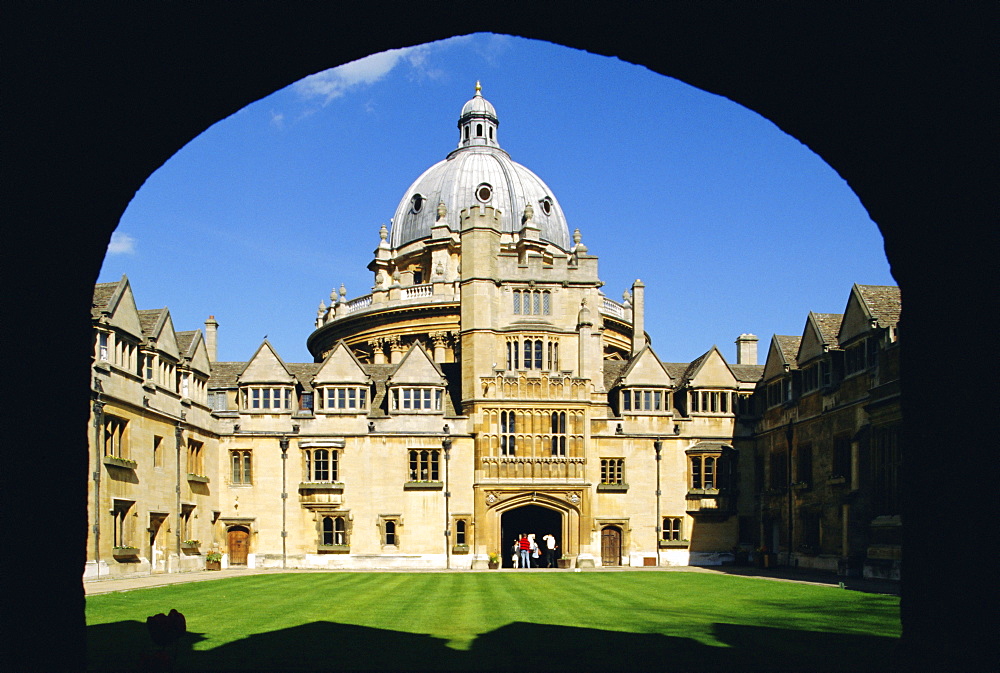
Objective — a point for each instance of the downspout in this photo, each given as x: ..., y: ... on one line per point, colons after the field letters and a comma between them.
x: 446, y: 444
x: 789, y: 434
x: 283, y: 443
x: 657, y: 446
x: 98, y: 425
x: 178, y: 441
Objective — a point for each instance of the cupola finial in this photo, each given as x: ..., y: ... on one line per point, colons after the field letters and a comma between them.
x: 479, y: 88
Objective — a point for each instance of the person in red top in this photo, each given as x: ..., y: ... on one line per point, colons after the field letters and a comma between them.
x: 524, y: 548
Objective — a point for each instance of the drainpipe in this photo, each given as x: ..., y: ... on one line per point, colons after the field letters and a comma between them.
x: 657, y: 446
x: 446, y: 444
x: 98, y: 425
x: 283, y: 443
x: 789, y: 434
x: 178, y: 441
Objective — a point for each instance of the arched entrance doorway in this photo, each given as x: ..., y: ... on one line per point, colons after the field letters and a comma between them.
x: 528, y: 519
x: 611, y: 546
x: 238, y: 540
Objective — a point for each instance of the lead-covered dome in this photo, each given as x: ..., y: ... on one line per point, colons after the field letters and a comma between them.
x: 479, y: 172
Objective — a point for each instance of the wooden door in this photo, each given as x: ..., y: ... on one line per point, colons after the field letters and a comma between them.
x: 238, y: 546
x: 156, y: 556
x: 611, y: 546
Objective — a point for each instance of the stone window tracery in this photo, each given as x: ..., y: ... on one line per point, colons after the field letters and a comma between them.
x: 261, y: 398
x: 343, y: 398
x: 532, y: 302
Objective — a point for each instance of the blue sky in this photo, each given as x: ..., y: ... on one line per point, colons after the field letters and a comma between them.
x: 733, y: 225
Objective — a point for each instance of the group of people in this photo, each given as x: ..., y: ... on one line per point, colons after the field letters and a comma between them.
x: 527, y: 553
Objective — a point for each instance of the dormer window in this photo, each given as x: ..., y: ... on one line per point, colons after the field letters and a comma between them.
x: 343, y: 399
x: 644, y: 400
x: 484, y: 192
x: 416, y: 203
x: 711, y: 401
x: 547, y: 205
x: 412, y: 399
x: 266, y: 398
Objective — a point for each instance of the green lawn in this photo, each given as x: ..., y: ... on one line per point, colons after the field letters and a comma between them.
x: 491, y: 621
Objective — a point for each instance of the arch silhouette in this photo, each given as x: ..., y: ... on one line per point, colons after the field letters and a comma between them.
x: 896, y: 100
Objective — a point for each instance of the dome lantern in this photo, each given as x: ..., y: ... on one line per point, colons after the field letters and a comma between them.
x: 477, y: 173
x: 477, y: 125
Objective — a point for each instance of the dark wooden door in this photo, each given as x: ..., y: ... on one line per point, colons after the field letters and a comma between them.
x: 611, y: 546
x: 238, y: 544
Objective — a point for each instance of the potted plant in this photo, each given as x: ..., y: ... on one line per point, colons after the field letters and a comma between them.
x: 190, y: 546
x: 494, y: 560
x: 127, y: 553
x: 213, y: 561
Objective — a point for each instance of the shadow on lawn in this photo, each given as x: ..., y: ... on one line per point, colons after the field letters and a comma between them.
x: 518, y: 646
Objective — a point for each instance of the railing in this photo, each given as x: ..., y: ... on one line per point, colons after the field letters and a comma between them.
x: 425, y: 290
x: 612, y: 308
x: 544, y: 468
x: 359, y: 303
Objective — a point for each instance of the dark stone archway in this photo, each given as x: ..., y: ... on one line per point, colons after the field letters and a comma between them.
x: 899, y: 99
x: 528, y: 519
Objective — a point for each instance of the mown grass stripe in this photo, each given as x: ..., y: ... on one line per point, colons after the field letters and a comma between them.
x: 458, y: 620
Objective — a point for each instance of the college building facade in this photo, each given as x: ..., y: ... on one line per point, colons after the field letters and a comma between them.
x: 487, y: 387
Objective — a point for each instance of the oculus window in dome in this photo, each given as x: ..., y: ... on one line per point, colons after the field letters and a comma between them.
x: 478, y: 172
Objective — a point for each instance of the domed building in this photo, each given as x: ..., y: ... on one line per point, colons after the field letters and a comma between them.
x: 484, y: 388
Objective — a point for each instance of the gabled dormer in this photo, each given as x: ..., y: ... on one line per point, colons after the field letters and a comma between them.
x: 160, y: 352
x: 266, y: 383
x: 118, y: 332
x: 341, y: 384
x: 711, y: 385
x: 644, y: 386
x: 417, y: 385
x: 819, y: 338
x: 194, y: 368
x: 778, y: 368
x: 871, y: 319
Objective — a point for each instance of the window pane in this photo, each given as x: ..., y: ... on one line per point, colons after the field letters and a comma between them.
x: 517, y: 302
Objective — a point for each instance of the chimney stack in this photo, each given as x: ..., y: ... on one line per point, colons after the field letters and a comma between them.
x: 746, y: 349
x: 638, y: 316
x: 211, y: 338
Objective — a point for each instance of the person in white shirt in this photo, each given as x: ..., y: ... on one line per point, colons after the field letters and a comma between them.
x: 549, y: 547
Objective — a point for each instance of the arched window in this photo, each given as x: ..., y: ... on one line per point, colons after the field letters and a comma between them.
x: 507, y: 430
x: 466, y: 131
x: 558, y: 433
x: 479, y: 130
x: 460, y: 532
x: 390, y: 532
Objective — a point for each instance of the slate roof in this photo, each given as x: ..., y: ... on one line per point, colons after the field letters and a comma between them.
x: 184, y: 341
x: 884, y: 302
x: 613, y: 369
x: 148, y: 320
x: 789, y: 346
x: 747, y: 373
x: 102, y: 295
x: 693, y: 367
x: 379, y: 374
x: 224, y: 374
x: 304, y: 372
x: 829, y: 326
x: 676, y: 370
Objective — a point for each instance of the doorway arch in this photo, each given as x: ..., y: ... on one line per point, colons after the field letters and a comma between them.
x: 611, y: 546
x: 238, y: 545
x: 528, y: 519
x: 862, y: 103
